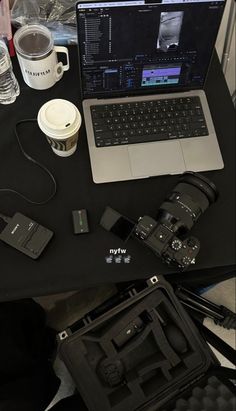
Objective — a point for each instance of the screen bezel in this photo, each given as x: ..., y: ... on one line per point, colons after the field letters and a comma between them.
x: 138, y: 92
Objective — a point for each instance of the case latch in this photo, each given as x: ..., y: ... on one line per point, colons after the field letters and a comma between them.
x: 63, y: 335
x: 153, y: 280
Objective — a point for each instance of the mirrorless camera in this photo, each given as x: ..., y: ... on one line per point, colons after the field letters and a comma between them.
x: 166, y: 235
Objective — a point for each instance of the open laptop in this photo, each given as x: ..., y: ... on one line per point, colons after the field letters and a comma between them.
x: 143, y: 65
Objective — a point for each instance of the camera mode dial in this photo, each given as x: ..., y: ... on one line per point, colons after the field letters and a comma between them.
x: 186, y: 260
x: 176, y: 244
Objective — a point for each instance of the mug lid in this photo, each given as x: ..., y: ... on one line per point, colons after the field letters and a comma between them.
x: 33, y: 40
x: 59, y: 118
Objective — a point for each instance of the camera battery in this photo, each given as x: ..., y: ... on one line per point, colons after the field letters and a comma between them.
x: 80, y: 221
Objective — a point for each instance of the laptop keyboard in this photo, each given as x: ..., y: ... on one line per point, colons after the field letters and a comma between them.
x: 146, y: 121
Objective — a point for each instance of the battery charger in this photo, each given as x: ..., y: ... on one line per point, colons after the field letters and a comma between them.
x: 25, y: 235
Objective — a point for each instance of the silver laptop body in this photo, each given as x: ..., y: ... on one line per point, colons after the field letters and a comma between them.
x: 142, y: 160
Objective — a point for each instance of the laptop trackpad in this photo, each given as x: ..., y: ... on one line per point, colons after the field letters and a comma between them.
x: 150, y: 159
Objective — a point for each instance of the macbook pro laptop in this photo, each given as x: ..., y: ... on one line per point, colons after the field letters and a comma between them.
x: 143, y: 66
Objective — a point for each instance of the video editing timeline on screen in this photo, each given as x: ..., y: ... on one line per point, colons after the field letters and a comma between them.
x: 146, y: 47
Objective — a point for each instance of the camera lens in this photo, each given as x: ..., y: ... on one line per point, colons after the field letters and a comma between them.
x: 203, y: 184
x: 188, y: 200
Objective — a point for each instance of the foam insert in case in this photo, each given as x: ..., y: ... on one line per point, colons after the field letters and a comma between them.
x: 138, y: 354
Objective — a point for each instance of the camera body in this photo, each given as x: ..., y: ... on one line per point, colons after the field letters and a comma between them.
x: 162, y: 240
x: 166, y: 235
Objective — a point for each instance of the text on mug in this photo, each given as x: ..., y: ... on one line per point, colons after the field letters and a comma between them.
x: 37, y: 74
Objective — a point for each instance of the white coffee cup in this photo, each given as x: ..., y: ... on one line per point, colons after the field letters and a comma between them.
x: 60, y: 121
x: 37, y: 56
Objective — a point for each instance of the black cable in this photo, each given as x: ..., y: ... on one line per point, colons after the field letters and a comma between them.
x: 10, y: 190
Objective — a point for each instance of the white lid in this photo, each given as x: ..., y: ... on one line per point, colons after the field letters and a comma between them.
x: 59, y: 118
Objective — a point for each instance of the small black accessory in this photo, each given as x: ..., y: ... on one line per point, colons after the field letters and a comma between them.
x: 111, y: 372
x: 130, y: 331
x: 11, y: 190
x: 176, y: 338
x: 25, y: 235
x: 80, y: 221
x: 165, y: 235
x: 174, y: 335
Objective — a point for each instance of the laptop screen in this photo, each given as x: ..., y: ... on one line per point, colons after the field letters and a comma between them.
x: 129, y: 47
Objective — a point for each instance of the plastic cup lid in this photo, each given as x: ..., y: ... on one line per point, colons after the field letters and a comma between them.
x: 33, y: 40
x: 59, y: 118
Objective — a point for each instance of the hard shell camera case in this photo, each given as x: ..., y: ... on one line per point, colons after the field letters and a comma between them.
x: 141, y: 351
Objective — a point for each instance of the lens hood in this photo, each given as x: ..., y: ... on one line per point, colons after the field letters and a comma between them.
x: 202, y: 183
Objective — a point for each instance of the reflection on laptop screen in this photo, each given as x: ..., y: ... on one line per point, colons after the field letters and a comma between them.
x: 128, y: 46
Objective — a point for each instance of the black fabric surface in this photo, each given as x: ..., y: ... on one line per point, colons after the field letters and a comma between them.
x: 71, y: 262
x: 27, y: 379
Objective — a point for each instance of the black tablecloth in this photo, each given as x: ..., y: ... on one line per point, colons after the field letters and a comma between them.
x: 70, y: 261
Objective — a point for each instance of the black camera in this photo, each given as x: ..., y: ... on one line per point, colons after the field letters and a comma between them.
x: 165, y: 235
